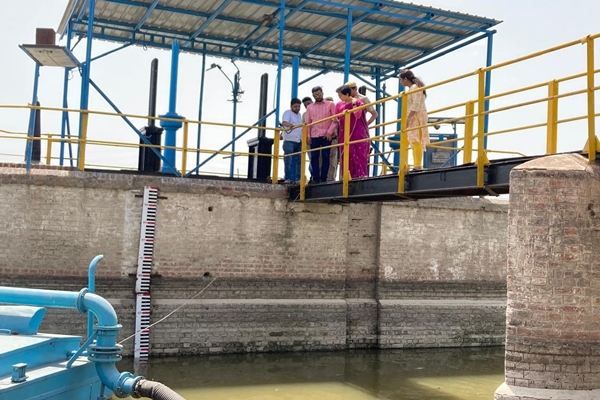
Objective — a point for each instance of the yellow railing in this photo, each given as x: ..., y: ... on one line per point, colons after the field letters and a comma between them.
x: 471, y: 111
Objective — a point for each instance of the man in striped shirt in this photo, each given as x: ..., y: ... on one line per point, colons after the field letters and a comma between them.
x: 320, y: 135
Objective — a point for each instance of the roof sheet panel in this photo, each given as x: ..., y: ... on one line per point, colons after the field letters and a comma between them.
x: 386, y: 33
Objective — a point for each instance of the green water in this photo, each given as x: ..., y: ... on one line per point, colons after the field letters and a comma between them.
x: 447, y: 374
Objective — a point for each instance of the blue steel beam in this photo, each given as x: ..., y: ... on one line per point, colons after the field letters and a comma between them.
x: 254, y: 23
x: 380, y: 23
x: 111, y: 51
x: 247, y: 38
x: 378, y: 119
x: 85, y: 76
x: 441, y: 13
x: 82, y: 11
x: 422, y: 59
x: 68, y: 21
x: 371, y: 48
x: 200, y: 105
x: 121, y: 26
x: 280, y: 59
x: 146, y: 15
x: 131, y: 125
x: 295, y: 73
x: 393, y: 36
x: 335, y: 34
x: 292, y: 12
x: 32, y: 116
x: 239, y: 21
x: 373, y: 86
x: 348, y: 53
x: 64, y: 126
x: 333, y: 3
x: 228, y: 144
x: 488, y: 84
x: 207, y: 22
x: 164, y: 45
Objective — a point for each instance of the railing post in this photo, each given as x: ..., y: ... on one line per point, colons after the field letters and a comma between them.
x: 82, y: 140
x: 469, y: 116
x: 49, y: 150
x: 403, y: 169
x: 275, y: 160
x: 552, y: 127
x: 591, y: 111
x: 482, y: 159
x: 303, y: 163
x: 186, y: 128
x: 346, y: 170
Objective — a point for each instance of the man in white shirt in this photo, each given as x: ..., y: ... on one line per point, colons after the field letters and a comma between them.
x: 292, y: 141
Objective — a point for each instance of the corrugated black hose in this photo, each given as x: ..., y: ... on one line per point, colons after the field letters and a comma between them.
x: 155, y: 390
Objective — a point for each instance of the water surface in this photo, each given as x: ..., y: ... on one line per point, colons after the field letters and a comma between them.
x: 439, y: 374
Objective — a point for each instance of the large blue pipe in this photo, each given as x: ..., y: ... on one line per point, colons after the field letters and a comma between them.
x: 171, y: 127
x: 92, y: 289
x: 122, y: 384
x: 174, y: 75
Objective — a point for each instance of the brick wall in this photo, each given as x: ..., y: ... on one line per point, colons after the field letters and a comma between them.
x: 332, y: 266
x: 553, y: 316
x: 442, y: 265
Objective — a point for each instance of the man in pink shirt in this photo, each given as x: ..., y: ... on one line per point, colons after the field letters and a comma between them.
x: 320, y: 135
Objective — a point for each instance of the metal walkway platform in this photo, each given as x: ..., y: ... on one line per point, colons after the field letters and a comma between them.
x: 432, y: 183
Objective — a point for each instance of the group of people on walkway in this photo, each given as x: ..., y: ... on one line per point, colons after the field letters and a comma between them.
x: 323, y: 137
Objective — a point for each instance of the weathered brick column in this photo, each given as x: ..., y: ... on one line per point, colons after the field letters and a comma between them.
x: 553, y: 282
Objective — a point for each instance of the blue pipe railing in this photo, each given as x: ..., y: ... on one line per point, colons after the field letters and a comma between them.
x: 92, y: 289
x: 105, y: 352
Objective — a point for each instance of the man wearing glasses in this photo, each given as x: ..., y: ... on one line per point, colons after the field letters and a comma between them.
x: 320, y: 135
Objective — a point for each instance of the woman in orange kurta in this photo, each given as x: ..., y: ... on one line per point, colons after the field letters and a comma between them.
x: 417, y: 116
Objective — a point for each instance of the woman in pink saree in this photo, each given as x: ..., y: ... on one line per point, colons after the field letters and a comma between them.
x: 358, y: 164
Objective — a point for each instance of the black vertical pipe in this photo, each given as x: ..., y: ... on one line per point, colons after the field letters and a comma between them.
x: 262, y: 104
x: 153, y: 90
x: 36, y: 151
x: 148, y: 161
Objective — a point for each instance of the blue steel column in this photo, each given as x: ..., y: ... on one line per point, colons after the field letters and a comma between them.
x: 235, y: 92
x: 85, y: 72
x: 280, y: 60
x: 395, y: 144
x: 378, y: 119
x: 171, y: 127
x: 65, y: 104
x: 295, y: 74
x: 348, y: 46
x: 201, y: 101
x: 29, y: 147
x: 488, y: 83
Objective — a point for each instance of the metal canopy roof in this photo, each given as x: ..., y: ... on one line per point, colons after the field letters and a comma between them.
x: 386, y: 34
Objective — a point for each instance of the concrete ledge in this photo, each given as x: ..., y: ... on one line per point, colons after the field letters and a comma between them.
x: 106, y: 180
x: 456, y: 203
x: 444, y: 303
x: 286, y: 302
x: 506, y: 392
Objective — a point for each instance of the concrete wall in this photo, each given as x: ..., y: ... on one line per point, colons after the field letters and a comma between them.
x: 290, y: 276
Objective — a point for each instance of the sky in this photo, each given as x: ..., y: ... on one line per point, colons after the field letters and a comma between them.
x: 528, y: 26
